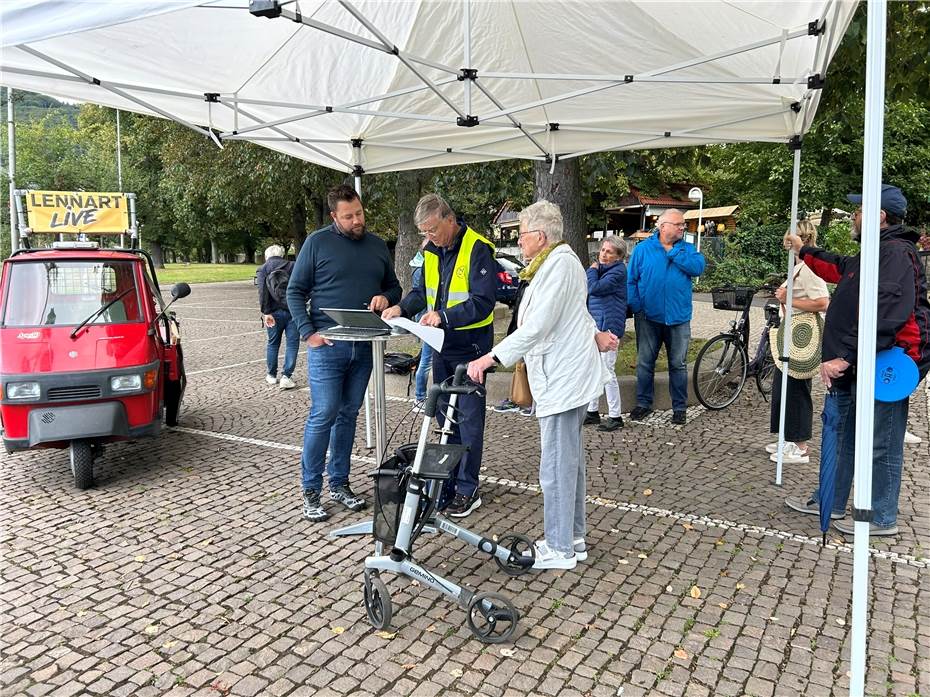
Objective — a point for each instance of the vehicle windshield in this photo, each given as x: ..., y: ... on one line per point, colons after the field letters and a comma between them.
x: 62, y: 293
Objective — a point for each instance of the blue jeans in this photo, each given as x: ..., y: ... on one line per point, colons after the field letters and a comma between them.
x: 283, y: 324
x: 426, y: 361
x: 340, y: 375
x: 887, y: 456
x: 650, y: 336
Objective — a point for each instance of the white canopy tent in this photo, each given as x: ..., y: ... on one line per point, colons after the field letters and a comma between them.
x: 373, y: 86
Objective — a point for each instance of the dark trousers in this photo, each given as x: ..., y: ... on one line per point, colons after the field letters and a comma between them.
x: 469, y: 430
x: 799, y: 408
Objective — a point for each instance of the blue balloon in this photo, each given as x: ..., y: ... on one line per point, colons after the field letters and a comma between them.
x: 896, y: 375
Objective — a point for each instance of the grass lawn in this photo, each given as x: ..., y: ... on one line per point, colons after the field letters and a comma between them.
x: 626, y: 355
x: 205, y: 273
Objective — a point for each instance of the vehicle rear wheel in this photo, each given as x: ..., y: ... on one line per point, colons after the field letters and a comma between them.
x: 719, y: 372
x: 82, y: 463
x: 174, y: 392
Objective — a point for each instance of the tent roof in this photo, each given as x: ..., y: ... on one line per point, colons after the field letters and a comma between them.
x: 564, y: 78
x: 718, y: 212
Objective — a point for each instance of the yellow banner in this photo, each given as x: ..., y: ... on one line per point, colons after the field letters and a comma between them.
x: 90, y: 212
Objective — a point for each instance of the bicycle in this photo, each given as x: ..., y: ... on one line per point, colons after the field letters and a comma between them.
x: 723, y: 364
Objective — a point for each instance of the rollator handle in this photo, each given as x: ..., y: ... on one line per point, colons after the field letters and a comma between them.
x: 461, y: 371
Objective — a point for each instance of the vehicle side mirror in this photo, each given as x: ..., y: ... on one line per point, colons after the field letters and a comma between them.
x: 180, y: 290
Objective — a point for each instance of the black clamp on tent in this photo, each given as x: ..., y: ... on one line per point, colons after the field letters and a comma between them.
x: 356, y: 142
x: 862, y: 515
x: 795, y: 107
x: 467, y: 121
x: 358, y: 170
x: 553, y: 126
x: 817, y: 27
x: 213, y: 97
x: 265, y: 8
x: 467, y: 74
x: 816, y: 82
x: 794, y: 143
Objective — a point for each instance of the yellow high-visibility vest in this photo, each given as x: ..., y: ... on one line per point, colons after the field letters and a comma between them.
x: 458, y: 286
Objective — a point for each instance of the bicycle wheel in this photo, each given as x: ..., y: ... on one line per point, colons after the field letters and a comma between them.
x: 719, y: 371
x: 765, y: 371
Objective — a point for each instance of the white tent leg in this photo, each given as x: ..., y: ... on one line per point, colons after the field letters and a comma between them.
x: 11, y: 165
x: 782, y: 357
x: 868, y: 300
x: 357, y: 149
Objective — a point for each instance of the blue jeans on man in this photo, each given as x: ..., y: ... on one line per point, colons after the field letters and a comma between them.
x: 422, y: 377
x: 284, y: 325
x: 340, y: 375
x: 889, y: 424
x: 650, y: 337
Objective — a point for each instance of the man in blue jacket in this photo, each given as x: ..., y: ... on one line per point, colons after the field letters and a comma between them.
x: 457, y: 291
x: 343, y: 266
x: 659, y: 294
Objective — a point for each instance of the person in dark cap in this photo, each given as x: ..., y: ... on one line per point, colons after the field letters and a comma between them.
x: 903, y: 319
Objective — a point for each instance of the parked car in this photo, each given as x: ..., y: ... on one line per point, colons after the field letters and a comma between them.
x: 89, y: 353
x: 508, y: 278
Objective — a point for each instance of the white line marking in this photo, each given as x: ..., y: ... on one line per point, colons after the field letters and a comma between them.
x: 183, y: 318
x: 226, y: 336
x: 224, y: 367
x: 254, y: 308
x: 707, y: 521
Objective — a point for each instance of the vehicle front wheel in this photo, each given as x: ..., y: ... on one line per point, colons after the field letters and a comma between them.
x: 82, y: 464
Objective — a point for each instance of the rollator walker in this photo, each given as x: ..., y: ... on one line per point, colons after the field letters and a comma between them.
x: 407, y: 488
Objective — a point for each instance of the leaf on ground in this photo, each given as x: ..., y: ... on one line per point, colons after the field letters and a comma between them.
x: 408, y: 666
x: 687, y: 526
x: 719, y: 542
x: 169, y: 644
x: 647, y: 492
x: 722, y: 606
x: 682, y: 654
x: 431, y: 628
x: 508, y: 652
x: 81, y: 613
x: 414, y: 583
x: 338, y: 630
x: 642, y: 555
x: 695, y: 592
x: 456, y: 672
x: 140, y: 557
x: 387, y: 635
x: 622, y: 561
x: 740, y: 586
x: 773, y: 619
x: 152, y: 629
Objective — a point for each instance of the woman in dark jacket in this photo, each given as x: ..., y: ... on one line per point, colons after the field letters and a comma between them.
x: 607, y: 305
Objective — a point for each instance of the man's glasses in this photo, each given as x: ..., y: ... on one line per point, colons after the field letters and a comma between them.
x: 528, y: 232
x: 678, y: 225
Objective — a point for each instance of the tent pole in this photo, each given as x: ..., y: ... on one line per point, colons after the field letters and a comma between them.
x: 119, y: 172
x: 466, y: 45
x: 357, y: 156
x: 868, y: 300
x: 786, y: 342
x: 11, y: 164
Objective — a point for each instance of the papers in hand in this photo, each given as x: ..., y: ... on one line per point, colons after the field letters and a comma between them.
x: 434, y: 336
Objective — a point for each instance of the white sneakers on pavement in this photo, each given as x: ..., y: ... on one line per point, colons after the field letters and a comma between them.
x: 286, y: 383
x: 271, y: 379
x: 911, y: 439
x: 793, y: 455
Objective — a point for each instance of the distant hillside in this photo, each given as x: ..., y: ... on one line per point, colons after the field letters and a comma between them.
x: 29, y: 106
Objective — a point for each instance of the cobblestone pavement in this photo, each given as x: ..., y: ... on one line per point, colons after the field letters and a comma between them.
x: 189, y: 570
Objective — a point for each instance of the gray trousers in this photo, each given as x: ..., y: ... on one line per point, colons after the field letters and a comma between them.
x: 561, y: 476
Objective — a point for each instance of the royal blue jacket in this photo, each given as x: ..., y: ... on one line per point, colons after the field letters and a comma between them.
x: 607, y: 296
x: 659, y: 282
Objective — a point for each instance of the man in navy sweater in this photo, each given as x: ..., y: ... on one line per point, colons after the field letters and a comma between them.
x: 341, y: 265
x: 457, y: 290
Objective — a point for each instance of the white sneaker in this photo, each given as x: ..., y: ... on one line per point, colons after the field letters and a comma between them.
x: 911, y: 438
x: 772, y: 448
x: 793, y: 455
x: 286, y: 383
x: 547, y: 558
x: 418, y: 406
x: 271, y: 379
x: 581, y: 549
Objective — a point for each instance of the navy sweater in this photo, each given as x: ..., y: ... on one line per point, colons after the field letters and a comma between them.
x: 333, y: 270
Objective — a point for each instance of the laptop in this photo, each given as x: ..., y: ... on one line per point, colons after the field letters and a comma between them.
x: 352, y: 325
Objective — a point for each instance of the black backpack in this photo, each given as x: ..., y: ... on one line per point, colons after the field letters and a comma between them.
x: 400, y: 363
x: 276, y: 282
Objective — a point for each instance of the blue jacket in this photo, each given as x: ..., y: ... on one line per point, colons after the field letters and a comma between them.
x: 659, y: 282
x: 607, y: 296
x: 466, y: 344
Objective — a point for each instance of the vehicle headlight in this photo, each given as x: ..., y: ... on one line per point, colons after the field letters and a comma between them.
x: 23, y: 390
x: 126, y: 383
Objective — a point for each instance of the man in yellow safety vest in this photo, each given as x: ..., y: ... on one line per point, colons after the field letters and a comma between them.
x: 458, y: 293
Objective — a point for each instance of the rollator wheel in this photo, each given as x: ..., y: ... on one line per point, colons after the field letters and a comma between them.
x: 492, y: 618
x: 522, y: 554
x: 377, y: 602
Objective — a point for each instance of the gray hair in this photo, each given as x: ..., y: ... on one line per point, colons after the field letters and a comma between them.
x: 430, y: 205
x: 274, y: 250
x: 618, y: 244
x: 665, y: 215
x: 545, y: 216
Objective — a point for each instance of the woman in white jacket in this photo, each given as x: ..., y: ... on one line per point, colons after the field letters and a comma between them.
x: 559, y: 341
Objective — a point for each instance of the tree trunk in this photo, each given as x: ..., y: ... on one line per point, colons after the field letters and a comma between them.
x: 826, y: 217
x: 214, y: 256
x: 158, y: 255
x: 298, y: 225
x: 410, y: 185
x: 563, y: 187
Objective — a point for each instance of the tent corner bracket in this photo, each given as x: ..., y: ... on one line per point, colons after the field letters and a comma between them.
x: 467, y: 74
x: 817, y: 27
x: 862, y: 515
x: 795, y: 143
x: 466, y: 121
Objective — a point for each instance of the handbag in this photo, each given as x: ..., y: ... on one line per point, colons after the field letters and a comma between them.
x: 804, y: 348
x: 520, y: 386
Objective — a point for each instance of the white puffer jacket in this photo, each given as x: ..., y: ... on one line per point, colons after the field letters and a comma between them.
x: 555, y: 336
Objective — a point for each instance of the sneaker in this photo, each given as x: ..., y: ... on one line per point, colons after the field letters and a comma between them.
x: 547, y: 558
x: 462, y: 505
x: 772, y: 448
x: 611, y: 423
x: 418, y: 406
x: 506, y: 406
x: 679, y: 418
x: 313, y: 507
x: 640, y: 413
x: 591, y: 418
x: 527, y: 411
x: 793, y: 455
x: 286, y: 383
x: 271, y: 379
x: 911, y: 438
x: 809, y: 506
x: 848, y: 527
x: 581, y: 549
x: 344, y: 495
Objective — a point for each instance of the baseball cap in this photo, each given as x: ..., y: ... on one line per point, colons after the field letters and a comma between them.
x: 893, y: 200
